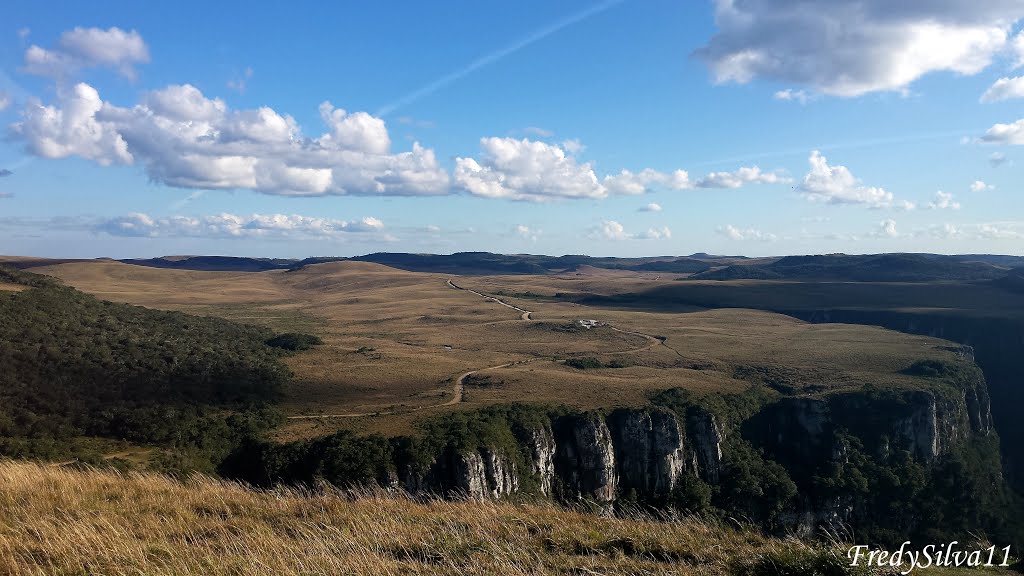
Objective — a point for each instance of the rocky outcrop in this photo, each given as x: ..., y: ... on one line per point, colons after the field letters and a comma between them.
x: 585, y: 458
x: 706, y: 437
x: 649, y: 451
x: 500, y: 473
x: 541, y: 443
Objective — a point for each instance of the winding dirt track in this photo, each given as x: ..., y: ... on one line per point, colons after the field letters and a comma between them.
x: 459, y: 383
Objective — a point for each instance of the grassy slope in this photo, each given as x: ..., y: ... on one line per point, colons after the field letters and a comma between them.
x: 61, y: 521
x: 386, y: 330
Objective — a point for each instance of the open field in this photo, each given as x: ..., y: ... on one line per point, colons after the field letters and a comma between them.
x: 397, y: 343
x: 62, y: 521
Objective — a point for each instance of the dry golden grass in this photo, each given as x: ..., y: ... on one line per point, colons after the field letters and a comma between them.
x: 62, y: 521
x: 395, y: 341
x: 8, y: 287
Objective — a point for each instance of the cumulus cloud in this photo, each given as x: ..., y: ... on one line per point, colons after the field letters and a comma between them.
x: 652, y: 207
x: 1005, y: 133
x: 573, y: 146
x: 1017, y: 46
x: 633, y: 183
x: 526, y: 170
x: 998, y: 232
x: 524, y: 231
x: 613, y: 230
x: 88, y: 48
x: 790, y: 95
x: 1004, y: 89
x: 734, y: 233
x: 853, y: 47
x: 72, y: 129
x: 997, y: 159
x: 886, y: 229
x: 744, y: 175
x: 657, y: 233
x: 944, y: 201
x: 184, y: 139
x: 234, y: 226
x: 980, y: 186
x: 5, y: 100
x: 837, y: 185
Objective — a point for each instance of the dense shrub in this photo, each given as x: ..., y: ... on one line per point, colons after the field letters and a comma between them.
x: 76, y: 366
x: 294, y: 341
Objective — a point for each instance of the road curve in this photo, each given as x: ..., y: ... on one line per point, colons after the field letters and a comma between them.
x: 460, y: 382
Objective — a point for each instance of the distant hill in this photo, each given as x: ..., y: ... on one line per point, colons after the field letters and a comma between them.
x: 214, y: 263
x: 701, y: 266
x: 488, y: 263
x: 862, y: 268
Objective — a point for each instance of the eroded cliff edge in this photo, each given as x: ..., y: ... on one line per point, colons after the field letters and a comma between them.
x: 887, y: 463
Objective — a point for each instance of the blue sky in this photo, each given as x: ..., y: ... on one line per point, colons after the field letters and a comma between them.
x: 632, y: 127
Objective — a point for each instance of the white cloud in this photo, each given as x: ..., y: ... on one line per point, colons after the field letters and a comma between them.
x: 837, y: 185
x: 233, y: 226
x: 734, y: 233
x: 853, y: 47
x: 943, y: 201
x: 634, y: 183
x: 526, y: 170
x: 791, y: 95
x: 433, y: 229
x: 652, y: 207
x: 980, y: 186
x: 5, y: 100
x: 998, y: 232
x: 1004, y: 89
x: 186, y: 140
x: 72, y: 129
x: 573, y: 146
x: 997, y: 159
x: 612, y: 230
x: 528, y: 233
x: 886, y: 229
x: 1018, y: 49
x: 1005, y: 133
x: 736, y: 179
x: 88, y: 48
x: 662, y: 233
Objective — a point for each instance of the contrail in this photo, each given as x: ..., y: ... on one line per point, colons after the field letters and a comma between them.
x: 495, y: 56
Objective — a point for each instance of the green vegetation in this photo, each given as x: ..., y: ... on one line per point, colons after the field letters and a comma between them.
x: 76, y: 367
x: 293, y: 341
x: 591, y: 363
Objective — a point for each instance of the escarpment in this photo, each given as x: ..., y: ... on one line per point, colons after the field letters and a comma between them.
x: 830, y: 461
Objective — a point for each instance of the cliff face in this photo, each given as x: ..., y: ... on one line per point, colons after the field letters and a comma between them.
x: 997, y: 345
x: 791, y: 462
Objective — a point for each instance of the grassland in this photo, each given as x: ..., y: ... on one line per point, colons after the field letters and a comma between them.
x: 396, y: 342
x: 64, y: 521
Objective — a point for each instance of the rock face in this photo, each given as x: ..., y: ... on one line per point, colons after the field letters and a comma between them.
x: 706, y: 437
x: 585, y: 458
x: 649, y: 451
x: 541, y: 443
x: 651, y: 455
